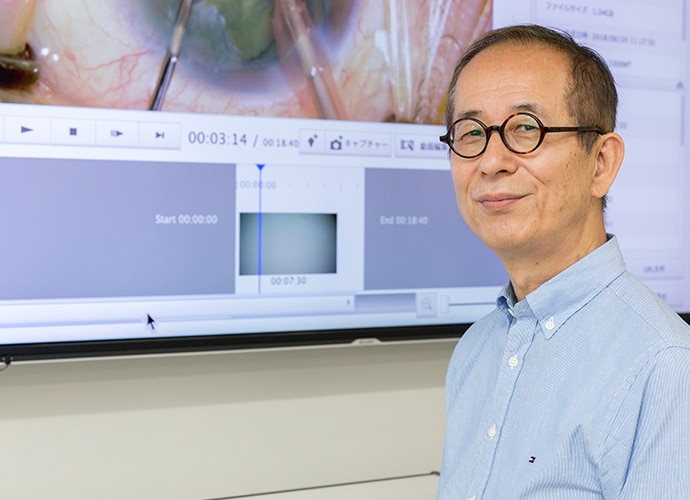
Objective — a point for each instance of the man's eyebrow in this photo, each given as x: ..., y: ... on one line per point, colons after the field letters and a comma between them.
x: 470, y: 113
x: 531, y: 107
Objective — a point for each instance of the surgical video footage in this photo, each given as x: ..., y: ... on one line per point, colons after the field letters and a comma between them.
x: 362, y: 60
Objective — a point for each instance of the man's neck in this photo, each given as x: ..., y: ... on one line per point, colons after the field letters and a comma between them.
x: 528, y: 270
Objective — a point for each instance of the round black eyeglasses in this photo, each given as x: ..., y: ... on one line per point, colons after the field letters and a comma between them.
x: 521, y: 133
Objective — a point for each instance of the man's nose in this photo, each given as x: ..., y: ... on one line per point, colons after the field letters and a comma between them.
x: 497, y: 157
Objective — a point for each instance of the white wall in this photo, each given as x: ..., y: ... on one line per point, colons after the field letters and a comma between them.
x: 222, y: 424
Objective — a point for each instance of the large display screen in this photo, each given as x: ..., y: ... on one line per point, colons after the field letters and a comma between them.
x: 216, y: 174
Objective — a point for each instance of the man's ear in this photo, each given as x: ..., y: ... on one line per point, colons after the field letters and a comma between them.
x: 609, y: 156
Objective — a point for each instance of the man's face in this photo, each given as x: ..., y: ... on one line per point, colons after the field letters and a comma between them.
x: 531, y: 204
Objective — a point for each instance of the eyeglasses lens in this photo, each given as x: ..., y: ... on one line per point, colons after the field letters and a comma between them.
x: 521, y: 133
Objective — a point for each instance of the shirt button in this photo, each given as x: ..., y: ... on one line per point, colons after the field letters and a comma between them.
x: 513, y: 362
x: 511, y: 312
x: 472, y: 498
x: 492, y: 431
x: 550, y: 323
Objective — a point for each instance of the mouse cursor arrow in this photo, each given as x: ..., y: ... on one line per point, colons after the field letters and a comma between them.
x: 150, y: 322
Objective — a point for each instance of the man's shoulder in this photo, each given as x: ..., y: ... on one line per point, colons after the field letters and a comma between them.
x: 482, y: 338
x: 645, y: 312
x: 487, y: 324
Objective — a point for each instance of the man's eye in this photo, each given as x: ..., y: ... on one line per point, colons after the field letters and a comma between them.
x: 471, y: 132
x: 470, y: 136
x: 526, y: 127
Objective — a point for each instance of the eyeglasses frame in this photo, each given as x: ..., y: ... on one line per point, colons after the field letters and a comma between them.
x: 543, y: 130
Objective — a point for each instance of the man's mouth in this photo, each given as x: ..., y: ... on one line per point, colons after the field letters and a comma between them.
x: 496, y: 202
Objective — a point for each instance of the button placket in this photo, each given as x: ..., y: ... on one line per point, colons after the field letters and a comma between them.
x: 521, y: 329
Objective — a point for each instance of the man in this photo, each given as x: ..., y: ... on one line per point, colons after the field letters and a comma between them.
x: 577, y: 385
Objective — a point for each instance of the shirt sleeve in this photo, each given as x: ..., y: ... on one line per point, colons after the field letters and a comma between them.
x: 656, y: 445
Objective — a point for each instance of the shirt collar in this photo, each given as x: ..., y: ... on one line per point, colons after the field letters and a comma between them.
x: 555, y: 301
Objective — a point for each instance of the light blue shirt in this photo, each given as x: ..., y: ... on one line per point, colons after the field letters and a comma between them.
x: 580, y: 391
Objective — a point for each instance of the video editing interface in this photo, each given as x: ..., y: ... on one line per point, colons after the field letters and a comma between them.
x: 202, y: 220
x: 202, y: 233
